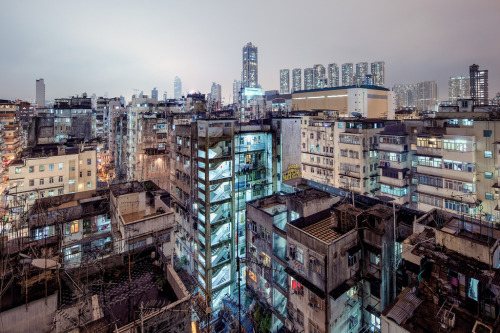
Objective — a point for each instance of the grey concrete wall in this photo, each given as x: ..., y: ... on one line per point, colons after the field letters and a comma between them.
x: 38, y: 317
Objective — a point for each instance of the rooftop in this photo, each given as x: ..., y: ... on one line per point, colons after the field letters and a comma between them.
x: 133, y: 187
x: 343, y: 87
x: 323, y: 230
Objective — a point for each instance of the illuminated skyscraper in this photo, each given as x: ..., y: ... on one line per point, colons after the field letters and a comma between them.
x: 361, y: 71
x: 308, y: 79
x: 216, y: 96
x: 249, y: 76
x: 177, y: 88
x: 458, y: 88
x: 319, y: 77
x: 427, y: 95
x: 378, y: 73
x: 284, y: 81
x: 333, y: 75
x: 478, y: 85
x: 40, y: 93
x: 296, y: 79
x: 236, y: 91
x: 347, y: 74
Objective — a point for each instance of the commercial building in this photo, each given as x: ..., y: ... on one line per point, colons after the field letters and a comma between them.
x: 284, y: 81
x: 348, y: 74
x: 378, y: 73
x: 249, y: 75
x: 428, y: 95
x: 216, y: 96
x: 236, y: 92
x: 296, y: 79
x: 11, y: 138
x: 364, y: 101
x: 333, y: 75
x: 478, y: 85
x: 40, y: 93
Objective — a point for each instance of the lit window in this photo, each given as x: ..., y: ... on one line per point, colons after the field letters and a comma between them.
x: 488, y: 175
x: 487, y: 133
x: 61, y: 166
x: 488, y: 154
x: 31, y: 169
x: 51, y: 193
x: 489, y: 196
x: 51, y: 167
x: 89, y: 161
x: 89, y: 184
x: 71, y: 181
x: 32, y: 196
x: 18, y: 170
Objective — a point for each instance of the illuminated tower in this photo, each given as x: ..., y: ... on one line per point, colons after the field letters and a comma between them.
x: 249, y: 76
x: 296, y: 79
x: 333, y: 75
x: 284, y: 81
x: 478, y: 85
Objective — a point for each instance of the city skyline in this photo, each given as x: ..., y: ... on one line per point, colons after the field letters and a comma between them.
x: 138, y: 56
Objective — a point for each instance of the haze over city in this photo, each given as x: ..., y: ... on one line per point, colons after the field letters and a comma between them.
x: 116, y: 47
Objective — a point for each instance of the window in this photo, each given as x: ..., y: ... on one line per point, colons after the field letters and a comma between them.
x: 71, y: 168
x: 51, y: 167
x: 71, y: 227
x: 351, y: 261
x: 60, y: 179
x: 300, y: 315
x: 41, y: 168
x: 488, y: 175
x: 430, y: 200
x: 89, y: 161
x: 487, y: 133
x: 467, y: 122
x: 41, y: 181
x: 300, y: 255
x: 340, y: 125
x: 81, y: 174
x: 489, y: 196
x: 31, y: 169
x: 315, y: 266
x: 374, y: 258
x: 60, y: 191
x: 18, y: 170
x: 89, y: 173
x: 32, y: 196
x: 71, y: 181
x: 430, y: 180
x: 488, y: 154
x: 89, y: 184
x: 42, y: 194
x: 61, y: 166
x: 51, y: 193
x: 430, y: 161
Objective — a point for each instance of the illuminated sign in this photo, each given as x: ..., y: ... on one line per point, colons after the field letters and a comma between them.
x: 292, y: 172
x: 251, y: 92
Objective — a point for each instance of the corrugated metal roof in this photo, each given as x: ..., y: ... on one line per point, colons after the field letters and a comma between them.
x: 404, y: 308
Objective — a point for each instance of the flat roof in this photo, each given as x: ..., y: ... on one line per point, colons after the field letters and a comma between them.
x: 342, y: 88
x: 323, y: 230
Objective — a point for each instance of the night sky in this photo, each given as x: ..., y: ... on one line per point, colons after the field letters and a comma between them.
x: 115, y: 47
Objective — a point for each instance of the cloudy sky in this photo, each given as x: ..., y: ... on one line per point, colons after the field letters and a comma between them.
x: 115, y: 47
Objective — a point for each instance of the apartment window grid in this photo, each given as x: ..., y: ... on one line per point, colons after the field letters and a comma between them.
x: 430, y: 200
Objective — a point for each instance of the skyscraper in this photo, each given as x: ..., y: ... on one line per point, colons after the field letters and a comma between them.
x: 308, y: 79
x: 427, y: 95
x: 319, y: 77
x: 216, y: 96
x: 296, y: 79
x: 40, y: 93
x: 361, y: 71
x: 154, y: 94
x: 177, y: 88
x: 378, y: 73
x: 347, y: 74
x: 478, y: 85
x: 284, y: 81
x: 333, y: 75
x: 249, y: 76
x: 458, y: 88
x: 236, y: 91
x: 406, y: 95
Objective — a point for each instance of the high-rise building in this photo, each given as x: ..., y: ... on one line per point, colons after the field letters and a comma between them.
x: 428, y: 94
x: 378, y: 73
x: 284, y: 81
x: 319, y: 77
x: 236, y: 91
x: 154, y: 94
x: 406, y: 95
x: 177, y: 88
x: 296, y: 79
x: 249, y: 76
x: 216, y: 96
x: 458, y: 88
x: 308, y: 79
x: 361, y: 71
x: 333, y: 75
x: 478, y: 85
x: 40, y: 93
x: 347, y: 74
